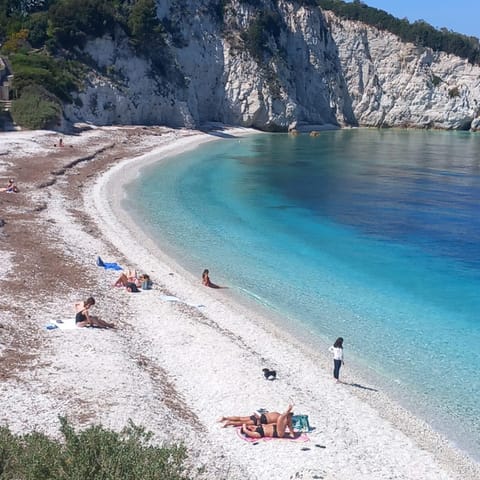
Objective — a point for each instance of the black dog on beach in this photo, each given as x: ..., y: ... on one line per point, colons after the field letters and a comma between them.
x: 269, y: 374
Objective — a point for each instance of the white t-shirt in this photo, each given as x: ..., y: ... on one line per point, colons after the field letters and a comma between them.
x: 337, y: 353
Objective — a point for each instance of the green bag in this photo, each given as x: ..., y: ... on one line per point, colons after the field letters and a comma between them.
x: 300, y: 423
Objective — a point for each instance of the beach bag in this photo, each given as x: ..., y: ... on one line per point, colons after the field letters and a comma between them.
x: 300, y: 423
x: 147, y: 284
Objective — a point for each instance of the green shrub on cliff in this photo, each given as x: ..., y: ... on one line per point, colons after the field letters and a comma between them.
x: 266, y: 25
x: 72, y: 22
x: 58, y: 76
x: 94, y: 454
x: 454, y: 92
x: 37, y: 108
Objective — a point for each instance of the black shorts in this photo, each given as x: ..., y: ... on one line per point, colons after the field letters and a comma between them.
x: 132, y: 287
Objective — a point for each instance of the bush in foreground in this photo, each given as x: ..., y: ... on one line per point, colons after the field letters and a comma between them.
x: 95, y: 453
x: 37, y: 108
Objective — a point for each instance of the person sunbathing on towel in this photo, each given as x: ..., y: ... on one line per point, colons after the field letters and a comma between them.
x: 255, y: 419
x: 11, y: 187
x: 272, y: 430
x: 132, y: 283
x: 83, y: 317
x: 121, y: 281
x: 127, y: 276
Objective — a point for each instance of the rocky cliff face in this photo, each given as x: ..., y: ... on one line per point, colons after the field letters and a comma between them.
x: 392, y: 83
x: 318, y: 71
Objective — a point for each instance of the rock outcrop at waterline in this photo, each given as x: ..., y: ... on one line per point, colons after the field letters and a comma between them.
x: 315, y: 71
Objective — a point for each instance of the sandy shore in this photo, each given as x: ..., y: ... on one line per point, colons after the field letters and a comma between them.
x: 172, y: 366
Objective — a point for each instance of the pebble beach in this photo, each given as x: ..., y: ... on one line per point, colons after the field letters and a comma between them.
x: 182, y: 355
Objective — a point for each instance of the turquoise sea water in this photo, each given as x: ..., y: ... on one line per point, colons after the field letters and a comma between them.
x: 366, y: 234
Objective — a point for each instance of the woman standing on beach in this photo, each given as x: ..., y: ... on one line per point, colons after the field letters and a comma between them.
x: 337, y: 350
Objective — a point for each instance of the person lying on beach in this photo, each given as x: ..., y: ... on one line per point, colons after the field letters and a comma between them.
x: 254, y: 419
x: 11, y: 187
x: 121, y: 281
x: 130, y: 281
x: 206, y: 280
x: 273, y: 430
x: 83, y: 317
x: 132, y: 287
x: 125, y: 277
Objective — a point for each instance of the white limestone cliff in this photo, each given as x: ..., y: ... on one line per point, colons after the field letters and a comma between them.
x: 392, y: 83
x: 323, y: 72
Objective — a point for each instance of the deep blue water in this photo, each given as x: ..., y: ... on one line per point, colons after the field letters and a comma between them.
x: 366, y: 234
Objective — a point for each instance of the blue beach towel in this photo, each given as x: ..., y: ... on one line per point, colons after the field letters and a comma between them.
x: 108, y: 266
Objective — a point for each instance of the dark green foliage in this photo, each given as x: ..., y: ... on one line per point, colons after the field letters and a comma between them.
x: 23, y: 7
x: 10, y: 20
x: 308, y: 3
x: 147, y: 33
x: 453, y: 92
x: 255, y: 40
x: 145, y: 27
x: 174, y: 29
x: 267, y: 24
x: 217, y: 10
x: 15, y: 14
x: 36, y: 108
x: 419, y: 32
x: 74, y: 21
x: 436, y: 80
x: 57, y: 76
x: 37, y: 25
x: 63, y: 25
x: 93, y: 454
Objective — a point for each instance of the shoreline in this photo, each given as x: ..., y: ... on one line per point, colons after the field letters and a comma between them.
x: 389, y: 409
x: 161, y: 387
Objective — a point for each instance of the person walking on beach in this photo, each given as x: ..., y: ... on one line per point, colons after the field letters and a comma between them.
x: 337, y: 350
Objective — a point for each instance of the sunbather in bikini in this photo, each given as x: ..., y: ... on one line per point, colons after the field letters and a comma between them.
x: 255, y: 419
x: 11, y: 187
x: 273, y: 430
x: 127, y: 276
x: 121, y: 281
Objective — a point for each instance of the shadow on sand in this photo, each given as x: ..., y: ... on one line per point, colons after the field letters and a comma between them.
x: 357, y: 385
